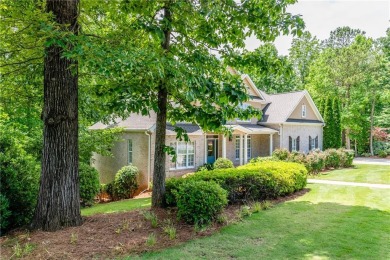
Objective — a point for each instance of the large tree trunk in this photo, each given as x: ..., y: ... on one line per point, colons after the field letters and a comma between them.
x: 159, y: 154
x: 59, y: 199
x: 347, y: 139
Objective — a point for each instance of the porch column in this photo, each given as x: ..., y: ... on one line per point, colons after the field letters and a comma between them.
x: 241, y: 139
x: 223, y: 146
x: 271, y: 144
x: 205, y: 148
x: 245, y: 148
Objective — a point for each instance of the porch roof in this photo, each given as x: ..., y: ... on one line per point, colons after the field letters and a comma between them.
x: 252, y: 129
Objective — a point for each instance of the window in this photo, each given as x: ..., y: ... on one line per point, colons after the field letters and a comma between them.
x: 249, y: 147
x: 129, y: 151
x: 237, y: 147
x: 293, y: 144
x: 185, y: 155
x: 244, y: 106
x: 313, y: 143
x: 303, y: 110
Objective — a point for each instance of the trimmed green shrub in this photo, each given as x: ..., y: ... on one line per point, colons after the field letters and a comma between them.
x: 4, y: 213
x: 125, y: 183
x: 281, y: 154
x: 223, y: 163
x: 263, y: 159
x: 19, y: 180
x: 297, y: 157
x: 200, y: 202
x: 255, y: 181
x: 205, y: 167
x: 89, y: 184
x: 382, y: 154
x: 332, y: 159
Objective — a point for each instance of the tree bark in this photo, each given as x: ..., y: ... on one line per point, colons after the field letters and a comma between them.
x: 160, y: 155
x: 59, y: 199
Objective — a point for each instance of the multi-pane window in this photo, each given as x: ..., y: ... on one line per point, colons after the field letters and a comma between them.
x: 237, y: 147
x: 303, y: 110
x: 129, y: 151
x: 293, y: 144
x: 249, y: 147
x: 185, y: 155
x: 313, y: 143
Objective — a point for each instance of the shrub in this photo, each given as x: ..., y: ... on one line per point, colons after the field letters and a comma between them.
x: 223, y: 163
x: 346, y: 157
x: 382, y: 154
x: 281, y: 154
x: 263, y: 159
x: 206, y: 167
x: 125, y: 183
x: 19, y: 180
x: 4, y: 213
x: 297, y: 157
x: 332, y: 158
x: 255, y: 181
x: 200, y: 202
x: 315, y: 162
x: 89, y: 184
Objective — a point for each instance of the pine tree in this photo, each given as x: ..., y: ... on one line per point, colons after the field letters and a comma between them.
x: 337, y: 122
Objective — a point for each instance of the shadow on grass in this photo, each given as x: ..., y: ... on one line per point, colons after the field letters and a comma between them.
x: 296, y: 230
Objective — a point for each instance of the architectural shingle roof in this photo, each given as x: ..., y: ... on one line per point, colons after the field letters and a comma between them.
x: 133, y: 122
x: 191, y: 129
x: 280, y: 106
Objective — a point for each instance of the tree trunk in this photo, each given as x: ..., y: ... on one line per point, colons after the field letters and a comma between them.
x: 59, y: 199
x: 372, y: 124
x: 347, y: 139
x: 159, y: 155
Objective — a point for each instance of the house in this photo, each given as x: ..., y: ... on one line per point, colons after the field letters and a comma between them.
x: 290, y: 120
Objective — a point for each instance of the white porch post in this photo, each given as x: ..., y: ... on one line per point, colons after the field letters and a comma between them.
x: 223, y: 146
x: 205, y: 148
x: 245, y: 148
x: 271, y: 144
x: 241, y: 149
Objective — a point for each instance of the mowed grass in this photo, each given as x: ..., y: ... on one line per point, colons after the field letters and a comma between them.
x: 359, y: 173
x: 117, y: 206
x: 329, y: 222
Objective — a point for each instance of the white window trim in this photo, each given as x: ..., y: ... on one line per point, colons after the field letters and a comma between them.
x: 294, y: 144
x: 249, y: 147
x: 237, y: 147
x: 187, y: 153
x: 304, y: 112
x: 129, y: 151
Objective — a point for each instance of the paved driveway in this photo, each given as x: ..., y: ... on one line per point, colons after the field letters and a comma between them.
x: 377, y: 161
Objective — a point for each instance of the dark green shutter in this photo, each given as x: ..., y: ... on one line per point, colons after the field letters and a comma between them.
x: 298, y: 143
x: 290, y: 143
x: 310, y: 140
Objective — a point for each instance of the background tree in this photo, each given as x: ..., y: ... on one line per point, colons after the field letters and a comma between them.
x: 329, y: 125
x: 303, y: 51
x: 337, y: 122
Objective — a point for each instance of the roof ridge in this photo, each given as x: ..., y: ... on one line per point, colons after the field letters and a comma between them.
x: 296, y: 91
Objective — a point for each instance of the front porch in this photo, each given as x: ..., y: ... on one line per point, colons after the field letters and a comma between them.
x: 246, y: 142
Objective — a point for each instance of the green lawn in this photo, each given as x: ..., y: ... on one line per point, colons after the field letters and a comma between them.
x: 329, y: 222
x: 118, y: 206
x: 360, y: 173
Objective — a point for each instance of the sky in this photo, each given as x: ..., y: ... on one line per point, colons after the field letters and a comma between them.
x: 323, y: 16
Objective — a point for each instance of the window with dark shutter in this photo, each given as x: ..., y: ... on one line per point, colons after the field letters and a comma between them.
x: 297, y: 143
x: 316, y: 142
x: 290, y: 143
x: 310, y: 143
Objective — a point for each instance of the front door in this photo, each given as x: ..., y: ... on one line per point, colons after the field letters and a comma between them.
x: 212, y: 150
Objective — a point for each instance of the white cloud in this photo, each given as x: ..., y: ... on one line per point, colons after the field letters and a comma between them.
x: 323, y: 16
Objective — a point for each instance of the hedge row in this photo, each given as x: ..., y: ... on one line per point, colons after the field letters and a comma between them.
x: 254, y: 181
x: 315, y: 161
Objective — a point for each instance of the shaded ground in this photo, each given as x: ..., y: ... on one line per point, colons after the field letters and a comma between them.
x: 110, y: 235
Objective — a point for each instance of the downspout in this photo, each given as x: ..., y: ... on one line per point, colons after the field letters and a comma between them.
x: 281, y: 136
x: 149, y: 134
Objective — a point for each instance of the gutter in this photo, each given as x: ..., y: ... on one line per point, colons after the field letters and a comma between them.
x: 149, y: 134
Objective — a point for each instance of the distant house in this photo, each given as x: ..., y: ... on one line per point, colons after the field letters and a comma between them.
x: 290, y: 120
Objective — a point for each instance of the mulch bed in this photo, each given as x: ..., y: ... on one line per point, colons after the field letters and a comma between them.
x: 111, y: 235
